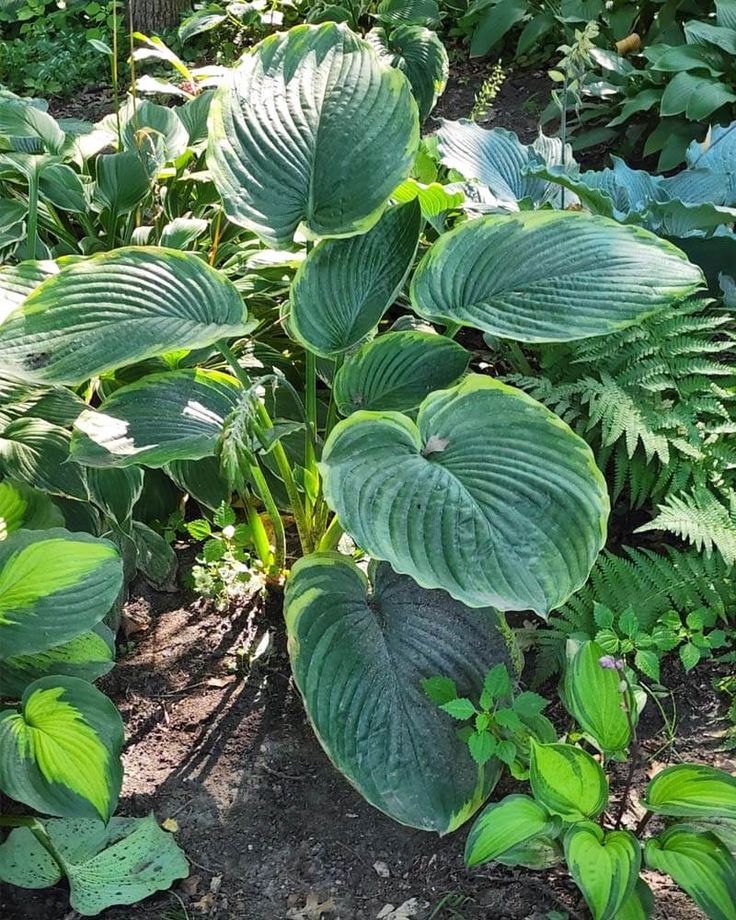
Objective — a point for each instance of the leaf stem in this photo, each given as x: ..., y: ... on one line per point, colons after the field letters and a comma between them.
x: 331, y: 536
x: 260, y: 537
x: 626, y: 702
x: 32, y: 225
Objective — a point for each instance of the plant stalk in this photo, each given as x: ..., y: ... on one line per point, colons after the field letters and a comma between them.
x: 331, y: 536
x: 32, y: 225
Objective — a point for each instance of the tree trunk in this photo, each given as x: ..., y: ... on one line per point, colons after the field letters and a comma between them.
x: 151, y: 16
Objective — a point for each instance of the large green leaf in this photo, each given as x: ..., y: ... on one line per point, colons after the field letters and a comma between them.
x: 57, y: 405
x: 692, y: 790
x: 605, y: 866
x: 580, y: 275
x: 37, y: 453
x: 311, y: 129
x: 22, y: 506
x: 118, y: 863
x: 419, y: 54
x: 397, y: 371
x: 54, y: 585
x: 60, y: 750
x: 122, y: 182
x: 87, y: 656
x: 700, y: 864
x: 593, y: 697
x: 17, y: 282
x: 489, y: 495
x: 567, y: 781
x: 343, y: 287
x: 176, y: 415
x: 117, y: 308
x: 502, y: 826
x: 359, y: 652
x: 115, y: 491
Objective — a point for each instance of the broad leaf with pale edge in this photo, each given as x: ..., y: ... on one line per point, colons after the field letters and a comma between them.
x: 343, y: 287
x: 22, y: 506
x: 567, y: 781
x: 692, y: 790
x: 397, y: 371
x: 161, y: 418
x: 700, y: 864
x: 489, y: 495
x: 17, y: 282
x: 418, y: 53
x: 639, y: 905
x: 581, y: 275
x: 54, y: 585
x: 313, y: 129
x: 605, y: 866
x: 593, y: 697
x: 359, y: 653
x: 503, y: 826
x: 60, y: 749
x: 37, y: 452
x: 121, y: 863
x: 117, y: 308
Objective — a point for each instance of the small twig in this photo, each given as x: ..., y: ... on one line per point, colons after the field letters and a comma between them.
x: 643, y: 823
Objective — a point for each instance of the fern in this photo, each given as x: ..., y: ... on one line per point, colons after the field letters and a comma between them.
x: 650, y: 583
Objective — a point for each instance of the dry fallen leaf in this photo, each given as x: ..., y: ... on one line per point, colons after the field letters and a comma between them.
x: 171, y: 825
x: 312, y: 910
x: 404, y: 911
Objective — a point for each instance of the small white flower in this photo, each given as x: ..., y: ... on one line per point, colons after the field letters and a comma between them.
x: 228, y: 532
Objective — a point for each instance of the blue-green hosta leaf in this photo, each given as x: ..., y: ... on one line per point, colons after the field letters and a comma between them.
x: 176, y: 415
x: 567, y: 781
x: 117, y: 308
x: 60, y: 749
x: 37, y: 452
x: 419, y: 54
x: 700, y: 864
x: 581, y: 276
x: 359, y: 658
x: 343, y: 287
x: 121, y: 182
x: 412, y: 12
x: 681, y: 219
x: 17, y: 282
x: 593, y: 697
x: 694, y: 95
x: 692, y: 790
x: 154, y: 134
x: 498, y: 159
x: 87, y: 656
x: 54, y: 585
x: 397, y: 371
x: 605, y: 866
x: 489, y: 496
x: 156, y: 560
x: 122, y: 862
x: 702, y: 186
x: 503, y: 826
x: 23, y: 506
x: 704, y: 33
x: 22, y: 122
x: 357, y: 134
x: 202, y: 479
x: 115, y: 491
x: 726, y: 13
x: 18, y: 399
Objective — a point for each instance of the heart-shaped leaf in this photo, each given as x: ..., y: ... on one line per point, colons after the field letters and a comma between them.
x: 116, y: 308
x: 60, y: 750
x: 692, y: 790
x: 343, y: 287
x: 700, y: 864
x: 161, y: 418
x: 639, y: 905
x: 397, y: 371
x: 360, y: 652
x: 581, y: 275
x: 605, y: 866
x: 358, y: 130
x: 54, y: 585
x: 37, y: 452
x: 593, y: 696
x: 419, y: 54
x: 488, y: 496
x: 503, y: 826
x: 567, y: 781
x: 22, y: 506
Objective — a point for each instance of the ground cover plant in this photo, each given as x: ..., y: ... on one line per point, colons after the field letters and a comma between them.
x: 423, y: 384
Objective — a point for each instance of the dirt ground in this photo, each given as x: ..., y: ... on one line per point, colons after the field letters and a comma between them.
x: 272, y: 831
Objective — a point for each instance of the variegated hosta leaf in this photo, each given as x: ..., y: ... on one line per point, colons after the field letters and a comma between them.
x: 54, y: 585
x: 700, y: 864
x: 87, y: 656
x: 567, y: 781
x: 359, y: 653
x: 17, y: 282
x: 499, y: 160
x: 692, y: 790
x: 489, y: 495
x: 60, y: 749
x: 115, y: 491
x: 504, y: 826
x: 639, y: 905
x: 116, y: 308
x: 343, y: 287
x: 419, y: 54
x: 311, y: 129
x: 22, y: 506
x: 160, y: 418
x: 118, y: 863
x: 605, y: 866
x: 397, y: 371
x: 202, y: 479
x: 37, y: 452
x: 580, y: 276
x: 57, y: 405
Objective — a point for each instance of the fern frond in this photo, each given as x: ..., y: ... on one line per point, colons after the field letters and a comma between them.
x: 706, y: 520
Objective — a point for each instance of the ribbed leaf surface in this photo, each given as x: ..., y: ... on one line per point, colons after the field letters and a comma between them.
x: 605, y: 866
x: 580, y: 276
x: 311, y: 128
x: 489, y: 495
x: 419, y: 54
